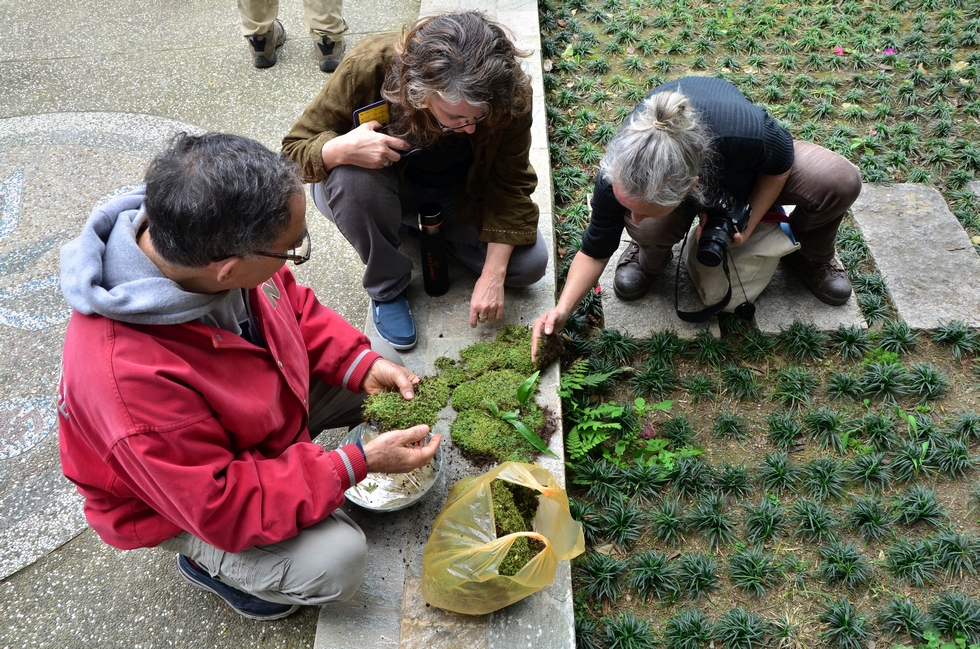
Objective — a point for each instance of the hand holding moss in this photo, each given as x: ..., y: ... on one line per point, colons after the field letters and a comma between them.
x: 384, y: 375
x: 399, y: 451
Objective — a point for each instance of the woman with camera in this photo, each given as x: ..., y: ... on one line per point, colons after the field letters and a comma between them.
x: 688, y: 144
x: 438, y: 113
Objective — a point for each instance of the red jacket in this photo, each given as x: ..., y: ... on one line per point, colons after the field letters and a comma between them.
x: 171, y: 428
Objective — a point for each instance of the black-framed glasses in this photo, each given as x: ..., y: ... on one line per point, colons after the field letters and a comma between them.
x: 298, y: 255
x: 453, y: 129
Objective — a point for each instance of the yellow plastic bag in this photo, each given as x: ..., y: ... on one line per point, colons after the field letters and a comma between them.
x: 459, y: 563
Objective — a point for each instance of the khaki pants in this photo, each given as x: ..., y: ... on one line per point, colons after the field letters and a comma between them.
x: 324, y: 562
x: 321, y: 17
x: 822, y: 185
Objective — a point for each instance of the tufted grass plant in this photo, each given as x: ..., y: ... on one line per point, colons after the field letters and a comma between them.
x: 690, y: 477
x: 783, y: 430
x: 663, y: 346
x: 794, y: 385
x: 913, y: 563
x: 655, y: 379
x: 952, y: 457
x: 844, y: 385
x: 600, y: 577
x: 879, y: 430
x: 754, y: 571
x: 710, y: 517
x: 871, y: 471
x: 927, y: 382
x: 851, y: 342
x: 885, y: 381
x: 654, y: 575
x: 742, y: 383
x: 900, y: 616
x: 588, y: 515
x: 844, y: 626
x: 765, y: 521
x: 688, y: 629
x: 709, y: 350
x: 825, y: 427
x: 814, y: 522
x: 586, y: 636
x: 667, y: 521
x: 823, y: 478
x: 644, y: 482
x: 733, y: 481
x: 701, y: 387
x: 730, y: 425
x: 777, y: 473
x: 624, y: 522
x: 842, y: 564
x: 615, y: 346
x: 698, y: 574
x: 869, y: 518
x: 679, y: 431
x: 961, y: 340
x: 757, y: 346
x: 957, y: 553
x: 803, y: 341
x: 967, y: 426
x: 605, y: 480
x: 956, y: 614
x: 897, y: 336
x: 626, y: 631
x: 919, y: 503
x: 738, y: 628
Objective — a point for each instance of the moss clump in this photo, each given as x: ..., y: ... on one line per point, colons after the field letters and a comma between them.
x: 483, y: 438
x: 510, y: 350
x: 500, y: 386
x: 514, y: 508
x: 389, y: 411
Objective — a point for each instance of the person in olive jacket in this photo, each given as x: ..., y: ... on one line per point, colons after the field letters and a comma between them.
x: 440, y: 112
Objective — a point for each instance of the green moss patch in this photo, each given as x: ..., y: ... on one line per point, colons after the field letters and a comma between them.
x: 514, y: 508
x: 389, y: 411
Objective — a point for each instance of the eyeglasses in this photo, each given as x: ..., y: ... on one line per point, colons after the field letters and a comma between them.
x: 453, y: 129
x: 298, y: 255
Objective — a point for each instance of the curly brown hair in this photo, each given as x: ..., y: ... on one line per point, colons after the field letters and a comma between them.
x: 459, y: 57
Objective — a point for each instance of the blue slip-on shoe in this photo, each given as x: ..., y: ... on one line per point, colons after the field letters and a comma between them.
x: 394, y: 322
x: 247, y: 605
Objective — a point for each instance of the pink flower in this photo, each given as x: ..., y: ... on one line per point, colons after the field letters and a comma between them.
x: 838, y: 50
x: 890, y: 50
x: 598, y: 289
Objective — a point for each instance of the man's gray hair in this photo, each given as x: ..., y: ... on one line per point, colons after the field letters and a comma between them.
x: 656, y: 156
x: 215, y: 196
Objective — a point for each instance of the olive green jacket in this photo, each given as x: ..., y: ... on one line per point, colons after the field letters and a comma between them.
x: 496, y: 196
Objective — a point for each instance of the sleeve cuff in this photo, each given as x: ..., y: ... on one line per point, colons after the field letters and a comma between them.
x: 350, y: 463
x: 354, y: 375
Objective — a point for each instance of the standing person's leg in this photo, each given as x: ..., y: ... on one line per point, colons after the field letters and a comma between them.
x: 822, y: 185
x: 365, y: 206
x: 261, y: 30
x: 649, y: 252
x: 327, y: 26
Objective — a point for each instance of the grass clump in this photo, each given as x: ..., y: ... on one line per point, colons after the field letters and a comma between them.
x: 764, y: 521
x: 869, y: 471
x: 653, y: 575
x: 667, y: 521
x: 897, y: 336
x: 957, y: 554
x: 803, y: 341
x: 956, y: 614
x: 844, y: 627
x: 900, y: 616
x: 842, y: 564
x: 825, y: 427
x: 784, y: 430
x: 730, y: 425
x: 624, y: 523
x: 698, y: 574
x: 919, y: 504
x: 740, y: 629
x: 961, y: 340
x: 851, y: 342
x: 733, y: 481
x: 814, y: 522
x: 689, y: 629
x: 710, y: 517
x: 823, y: 478
x: 870, y: 518
x: 913, y: 563
x: 627, y: 631
x: 754, y: 570
x: 776, y: 473
x: 599, y: 576
x: 742, y: 383
x: 794, y: 385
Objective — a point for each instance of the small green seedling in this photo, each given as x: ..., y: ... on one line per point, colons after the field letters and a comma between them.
x: 513, y: 417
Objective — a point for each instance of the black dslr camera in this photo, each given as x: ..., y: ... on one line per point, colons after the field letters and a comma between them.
x: 726, y: 216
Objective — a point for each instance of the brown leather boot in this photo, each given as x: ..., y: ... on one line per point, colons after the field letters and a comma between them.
x: 632, y: 282
x: 826, y: 279
x: 263, y: 46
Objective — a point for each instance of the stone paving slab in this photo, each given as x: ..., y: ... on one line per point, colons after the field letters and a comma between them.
x: 930, y: 268
x: 785, y: 300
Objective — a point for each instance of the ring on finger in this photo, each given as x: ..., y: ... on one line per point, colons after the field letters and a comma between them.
x: 481, y: 318
x: 386, y: 163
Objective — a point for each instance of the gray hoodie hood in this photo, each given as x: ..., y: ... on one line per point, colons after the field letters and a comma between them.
x: 104, y: 271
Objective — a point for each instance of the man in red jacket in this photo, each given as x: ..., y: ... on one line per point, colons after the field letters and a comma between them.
x: 194, y: 370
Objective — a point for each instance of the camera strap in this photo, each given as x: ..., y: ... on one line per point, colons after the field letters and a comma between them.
x: 697, y: 317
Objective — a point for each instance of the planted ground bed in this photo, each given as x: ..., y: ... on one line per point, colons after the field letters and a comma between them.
x: 799, y: 490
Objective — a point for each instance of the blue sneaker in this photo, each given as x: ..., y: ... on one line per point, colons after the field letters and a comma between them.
x: 394, y: 322
x: 247, y: 605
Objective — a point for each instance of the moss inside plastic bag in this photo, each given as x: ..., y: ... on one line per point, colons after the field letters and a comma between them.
x: 461, y: 559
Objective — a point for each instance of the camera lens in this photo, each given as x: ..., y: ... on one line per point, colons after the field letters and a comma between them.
x: 710, y: 252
